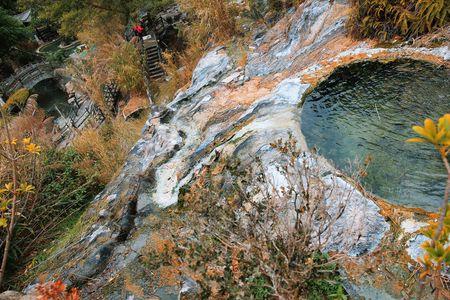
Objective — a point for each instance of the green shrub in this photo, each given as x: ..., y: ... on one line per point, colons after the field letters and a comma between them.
x: 57, y: 57
x: 61, y: 194
x: 63, y: 183
x: 386, y: 19
x: 277, y: 8
x: 18, y: 99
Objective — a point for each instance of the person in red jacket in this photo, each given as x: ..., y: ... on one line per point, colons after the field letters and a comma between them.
x: 138, y: 30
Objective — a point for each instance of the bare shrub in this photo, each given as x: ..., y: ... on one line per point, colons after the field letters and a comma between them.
x: 33, y: 122
x: 240, y: 234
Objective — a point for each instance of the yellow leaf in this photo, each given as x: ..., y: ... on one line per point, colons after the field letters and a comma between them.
x: 430, y: 127
x: 3, y: 222
x: 4, y: 205
x: 440, y: 135
x: 423, y: 275
x: 421, y: 131
x: 416, y: 140
x: 26, y: 141
x: 33, y: 148
x: 26, y: 188
x: 444, y: 122
x: 9, y: 187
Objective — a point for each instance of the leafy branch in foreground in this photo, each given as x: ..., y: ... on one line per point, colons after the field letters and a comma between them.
x: 437, y: 250
x: 14, y: 191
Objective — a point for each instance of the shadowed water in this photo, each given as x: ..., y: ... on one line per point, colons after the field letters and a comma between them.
x: 367, y: 110
x: 50, y: 94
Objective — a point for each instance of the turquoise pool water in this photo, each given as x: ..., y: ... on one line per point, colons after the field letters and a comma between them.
x: 54, y: 47
x: 366, y: 110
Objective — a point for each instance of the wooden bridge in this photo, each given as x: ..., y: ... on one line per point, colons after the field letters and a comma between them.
x: 27, y: 76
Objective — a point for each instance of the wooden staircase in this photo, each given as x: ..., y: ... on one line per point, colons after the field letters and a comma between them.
x: 152, y: 54
x: 46, y: 34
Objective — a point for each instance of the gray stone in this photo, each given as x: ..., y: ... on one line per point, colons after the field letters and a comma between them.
x: 111, y: 198
x: 103, y: 213
x: 189, y: 289
x: 414, y: 248
x: 359, y: 227
x: 10, y: 295
x: 209, y: 68
x: 99, y: 232
x: 233, y: 77
x: 92, y: 266
x: 412, y: 226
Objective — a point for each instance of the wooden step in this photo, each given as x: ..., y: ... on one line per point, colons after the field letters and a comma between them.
x: 156, y: 73
x: 153, y: 62
x: 155, y: 70
x: 156, y: 76
x: 152, y: 49
x: 153, y: 67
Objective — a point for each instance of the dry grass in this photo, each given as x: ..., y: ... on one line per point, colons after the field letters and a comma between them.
x: 179, y: 67
x: 104, y: 151
x: 33, y: 122
x: 111, y: 59
x: 211, y: 22
x: 19, y: 99
x: 399, y: 19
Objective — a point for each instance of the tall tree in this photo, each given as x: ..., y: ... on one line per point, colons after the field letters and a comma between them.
x: 9, y: 5
x: 12, y: 32
x: 70, y: 15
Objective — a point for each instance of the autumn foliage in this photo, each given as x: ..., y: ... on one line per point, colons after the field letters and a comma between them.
x: 437, y: 249
x: 56, y: 291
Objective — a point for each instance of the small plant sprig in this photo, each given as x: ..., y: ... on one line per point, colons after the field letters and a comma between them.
x: 10, y: 194
x: 56, y: 291
x: 437, y: 252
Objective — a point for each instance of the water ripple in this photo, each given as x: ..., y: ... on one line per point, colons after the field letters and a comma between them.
x: 367, y: 109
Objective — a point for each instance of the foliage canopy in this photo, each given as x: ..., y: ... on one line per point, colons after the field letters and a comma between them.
x: 71, y: 15
x: 12, y: 32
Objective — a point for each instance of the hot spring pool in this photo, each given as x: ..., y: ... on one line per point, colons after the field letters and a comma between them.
x: 367, y: 110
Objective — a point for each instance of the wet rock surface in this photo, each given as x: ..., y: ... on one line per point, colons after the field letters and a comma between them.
x: 223, y: 112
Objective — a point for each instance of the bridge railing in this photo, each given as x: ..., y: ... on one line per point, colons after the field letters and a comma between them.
x: 25, y: 75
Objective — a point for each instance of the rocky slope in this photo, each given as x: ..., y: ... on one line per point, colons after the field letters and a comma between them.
x: 234, y: 110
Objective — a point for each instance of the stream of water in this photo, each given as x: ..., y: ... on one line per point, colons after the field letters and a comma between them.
x: 366, y: 110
